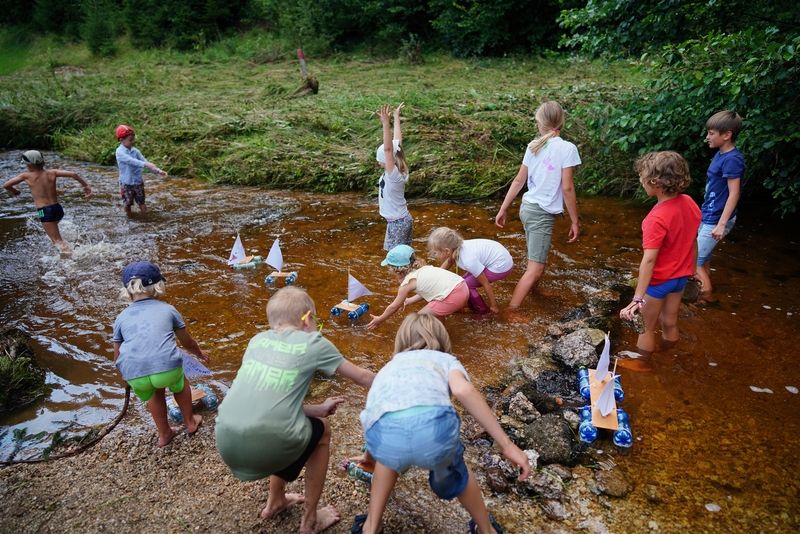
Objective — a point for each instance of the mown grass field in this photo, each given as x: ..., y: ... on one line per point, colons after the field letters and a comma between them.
x: 226, y: 113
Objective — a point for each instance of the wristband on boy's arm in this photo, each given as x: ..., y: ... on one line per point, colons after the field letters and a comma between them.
x: 639, y: 301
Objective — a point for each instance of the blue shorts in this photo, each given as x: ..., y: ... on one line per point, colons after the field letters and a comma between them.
x: 51, y: 213
x: 428, y: 439
x: 660, y: 291
x: 398, y: 232
x: 706, y: 243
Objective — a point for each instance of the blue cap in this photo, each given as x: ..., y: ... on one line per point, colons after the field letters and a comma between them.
x: 145, y: 271
x: 399, y: 256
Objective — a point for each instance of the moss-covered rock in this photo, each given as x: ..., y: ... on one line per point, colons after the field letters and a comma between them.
x: 21, y: 378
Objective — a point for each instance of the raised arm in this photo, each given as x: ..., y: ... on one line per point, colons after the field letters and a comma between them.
x: 75, y: 176
x: 571, y: 201
x: 388, y: 146
x: 398, y: 134
x: 513, y: 191
x: 474, y: 403
x: 9, y: 184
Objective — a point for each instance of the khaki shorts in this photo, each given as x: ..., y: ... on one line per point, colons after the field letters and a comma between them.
x: 538, y: 230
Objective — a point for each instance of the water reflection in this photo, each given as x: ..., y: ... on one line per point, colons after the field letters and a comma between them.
x: 702, y: 434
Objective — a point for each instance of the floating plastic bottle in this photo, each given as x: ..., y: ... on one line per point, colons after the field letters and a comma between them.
x: 248, y: 265
x: 355, y: 314
x: 291, y: 279
x: 623, y: 436
x: 583, y: 382
x: 619, y: 395
x: 269, y: 279
x: 210, y: 401
x: 335, y: 312
x: 587, y: 431
x: 356, y: 472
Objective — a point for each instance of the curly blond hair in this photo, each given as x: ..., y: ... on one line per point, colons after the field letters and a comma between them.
x: 666, y: 170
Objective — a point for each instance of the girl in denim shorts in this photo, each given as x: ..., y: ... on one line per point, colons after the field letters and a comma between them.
x: 409, y: 420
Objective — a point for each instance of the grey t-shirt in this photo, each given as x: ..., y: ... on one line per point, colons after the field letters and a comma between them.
x: 146, y: 330
x: 413, y: 378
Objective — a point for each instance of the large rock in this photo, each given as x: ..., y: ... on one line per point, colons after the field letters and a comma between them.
x: 544, y: 484
x: 575, y: 349
x: 612, y: 483
x: 551, y: 437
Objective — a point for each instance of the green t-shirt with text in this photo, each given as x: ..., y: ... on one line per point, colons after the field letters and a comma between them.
x: 261, y: 427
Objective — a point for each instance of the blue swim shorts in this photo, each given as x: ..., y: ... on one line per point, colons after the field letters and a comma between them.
x: 427, y: 437
x: 706, y: 243
x: 51, y: 213
x: 660, y: 291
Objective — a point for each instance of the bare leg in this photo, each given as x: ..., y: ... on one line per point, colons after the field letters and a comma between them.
x: 704, y: 275
x: 528, y: 281
x: 316, y: 520
x: 669, y: 320
x: 472, y: 499
x: 184, y: 400
x: 143, y: 209
x: 650, y: 311
x: 383, y: 481
x: 51, y: 229
x: 278, y: 500
x: 158, y: 409
x: 428, y: 311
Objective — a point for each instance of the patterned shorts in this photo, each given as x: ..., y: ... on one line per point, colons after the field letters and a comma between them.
x: 130, y: 193
x: 398, y: 232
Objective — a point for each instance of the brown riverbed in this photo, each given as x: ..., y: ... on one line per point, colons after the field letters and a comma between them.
x: 702, y: 435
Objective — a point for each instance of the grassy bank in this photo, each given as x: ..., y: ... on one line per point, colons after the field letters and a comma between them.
x: 225, y: 114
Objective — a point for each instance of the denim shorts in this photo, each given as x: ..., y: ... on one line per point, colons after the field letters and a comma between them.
x: 428, y: 439
x: 706, y: 243
x: 660, y: 291
x: 538, y: 230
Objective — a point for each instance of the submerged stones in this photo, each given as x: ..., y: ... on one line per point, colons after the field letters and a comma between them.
x: 551, y: 437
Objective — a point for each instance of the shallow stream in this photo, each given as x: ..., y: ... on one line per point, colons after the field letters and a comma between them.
x: 702, y: 434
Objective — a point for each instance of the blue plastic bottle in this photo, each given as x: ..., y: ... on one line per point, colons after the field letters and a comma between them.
x: 174, y: 412
x: 587, y: 431
x: 291, y: 279
x: 210, y: 401
x: 335, y: 312
x: 269, y: 279
x: 619, y: 395
x: 356, y: 472
x: 583, y: 382
x: 355, y: 314
x: 623, y: 436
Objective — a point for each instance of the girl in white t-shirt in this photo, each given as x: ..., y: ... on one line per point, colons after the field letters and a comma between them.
x: 392, y: 183
x: 445, y: 292
x: 547, y: 169
x: 485, y: 261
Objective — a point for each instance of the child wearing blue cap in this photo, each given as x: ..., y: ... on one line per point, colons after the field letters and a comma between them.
x: 145, y: 352
x: 446, y: 292
x: 392, y: 183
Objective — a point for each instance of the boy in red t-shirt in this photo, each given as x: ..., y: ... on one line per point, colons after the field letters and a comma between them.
x: 670, y: 250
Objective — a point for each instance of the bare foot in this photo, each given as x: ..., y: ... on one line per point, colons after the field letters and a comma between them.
x: 197, y: 420
x: 165, y: 439
x: 326, y: 517
x: 272, y: 509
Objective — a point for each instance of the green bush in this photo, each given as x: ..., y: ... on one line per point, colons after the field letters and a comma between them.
x: 754, y: 72
x: 98, y: 28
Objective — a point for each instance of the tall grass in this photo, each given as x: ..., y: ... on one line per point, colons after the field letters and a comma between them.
x: 224, y: 113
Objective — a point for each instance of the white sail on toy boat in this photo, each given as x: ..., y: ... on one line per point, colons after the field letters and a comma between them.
x: 355, y: 290
x: 275, y: 259
x: 239, y: 260
x: 601, y: 388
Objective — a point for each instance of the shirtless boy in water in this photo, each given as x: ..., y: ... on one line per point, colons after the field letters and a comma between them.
x: 42, y: 184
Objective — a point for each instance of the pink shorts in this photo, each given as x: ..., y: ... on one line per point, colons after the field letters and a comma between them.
x: 453, y: 302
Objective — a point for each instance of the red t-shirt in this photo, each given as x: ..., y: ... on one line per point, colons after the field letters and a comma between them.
x: 672, y: 228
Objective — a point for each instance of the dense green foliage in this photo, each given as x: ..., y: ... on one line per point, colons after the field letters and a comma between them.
x: 701, y: 57
x: 21, y: 378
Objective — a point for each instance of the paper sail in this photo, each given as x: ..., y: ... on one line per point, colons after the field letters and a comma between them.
x: 356, y: 289
x: 192, y: 368
x: 237, y: 252
x: 606, y: 401
x: 601, y: 372
x: 275, y: 258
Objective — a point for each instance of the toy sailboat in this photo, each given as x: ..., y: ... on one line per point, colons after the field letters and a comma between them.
x: 240, y: 260
x: 355, y: 290
x: 275, y: 259
x: 601, y: 383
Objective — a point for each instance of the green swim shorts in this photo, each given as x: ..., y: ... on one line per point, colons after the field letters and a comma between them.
x: 146, y: 386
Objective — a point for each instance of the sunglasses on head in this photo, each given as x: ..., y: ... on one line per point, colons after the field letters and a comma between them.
x: 317, y: 319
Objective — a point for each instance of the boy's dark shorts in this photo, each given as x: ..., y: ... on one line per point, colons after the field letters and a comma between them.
x: 51, y: 213
x: 290, y: 473
x: 130, y: 193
